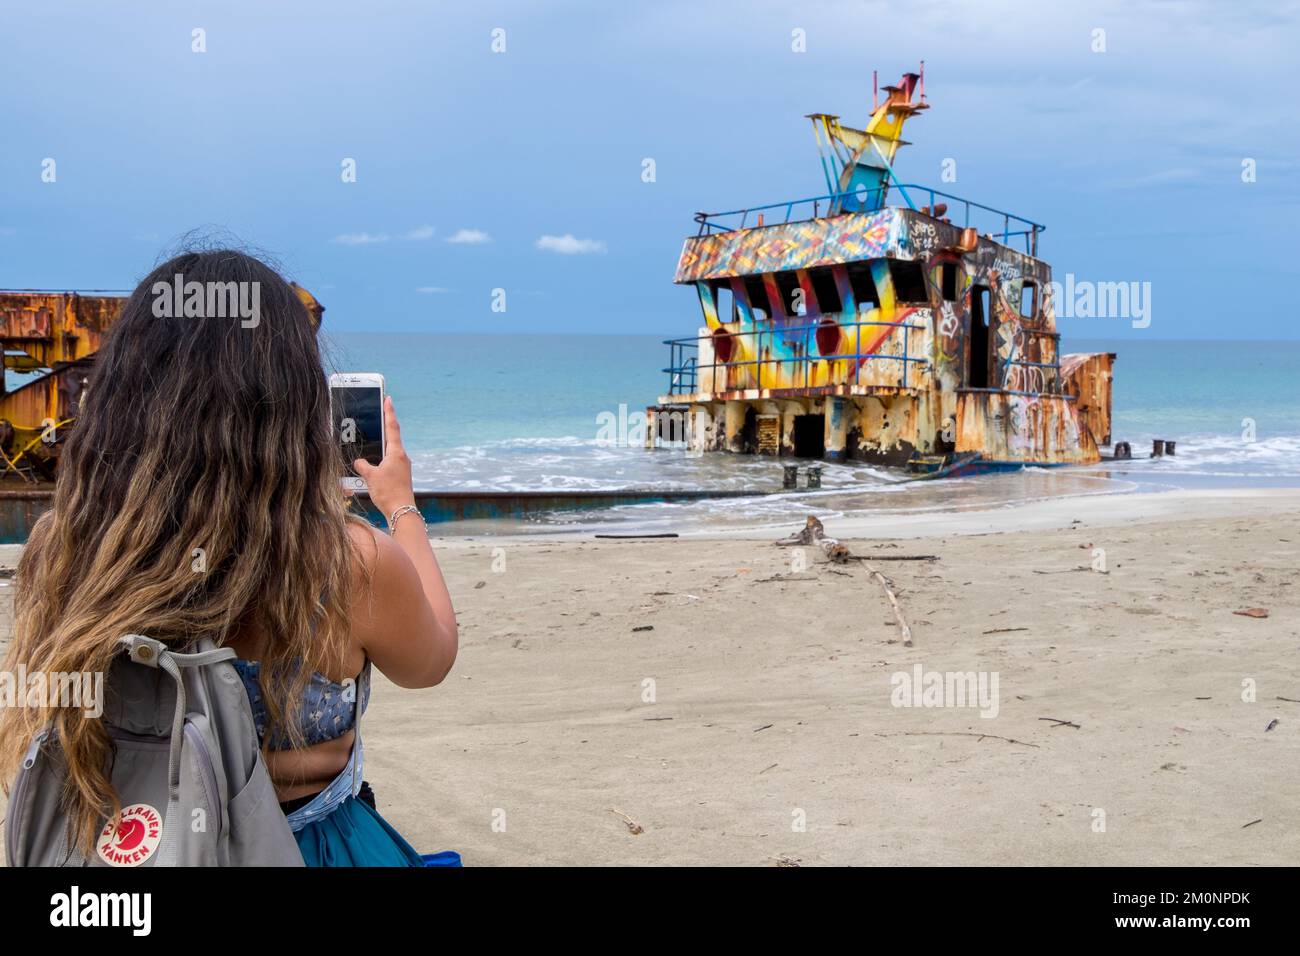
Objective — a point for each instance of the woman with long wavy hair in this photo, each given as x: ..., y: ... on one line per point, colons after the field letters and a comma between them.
x: 214, y: 433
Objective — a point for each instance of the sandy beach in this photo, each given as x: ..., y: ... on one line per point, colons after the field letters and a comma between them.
x: 700, y: 701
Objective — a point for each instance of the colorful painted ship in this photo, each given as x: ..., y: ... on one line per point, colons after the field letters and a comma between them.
x: 882, y: 321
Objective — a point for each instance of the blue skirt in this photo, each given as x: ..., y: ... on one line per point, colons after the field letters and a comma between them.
x: 356, y: 835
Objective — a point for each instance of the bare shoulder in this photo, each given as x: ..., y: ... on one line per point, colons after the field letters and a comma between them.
x: 366, y: 541
x: 376, y: 558
x: 383, y: 578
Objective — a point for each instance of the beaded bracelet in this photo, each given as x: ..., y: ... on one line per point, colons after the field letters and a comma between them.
x: 405, y: 509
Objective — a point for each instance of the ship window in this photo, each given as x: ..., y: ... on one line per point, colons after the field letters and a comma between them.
x: 791, y: 295
x: 725, y: 301
x: 948, y: 280
x: 1029, y: 298
x: 909, y: 280
x: 757, y: 293
x: 828, y: 296
x: 863, y: 286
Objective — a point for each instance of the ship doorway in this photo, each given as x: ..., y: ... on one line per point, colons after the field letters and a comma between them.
x: 977, y: 368
x: 749, y: 432
x: 810, y: 436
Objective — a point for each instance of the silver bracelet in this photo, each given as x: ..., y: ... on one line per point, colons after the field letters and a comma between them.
x: 405, y: 509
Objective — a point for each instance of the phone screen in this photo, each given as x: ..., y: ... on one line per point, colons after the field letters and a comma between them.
x: 358, y: 424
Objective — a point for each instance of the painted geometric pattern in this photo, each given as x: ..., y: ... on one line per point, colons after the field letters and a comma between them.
x: 795, y: 245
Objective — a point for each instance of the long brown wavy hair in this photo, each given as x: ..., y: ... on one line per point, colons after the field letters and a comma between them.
x: 196, y: 433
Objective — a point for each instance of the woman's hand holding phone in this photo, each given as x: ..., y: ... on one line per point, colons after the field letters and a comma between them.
x: 404, y: 562
x: 389, y: 482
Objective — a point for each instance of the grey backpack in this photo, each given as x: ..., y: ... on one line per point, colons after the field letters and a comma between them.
x: 187, y: 769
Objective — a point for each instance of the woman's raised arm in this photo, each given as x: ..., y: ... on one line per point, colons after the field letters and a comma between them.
x: 405, y: 619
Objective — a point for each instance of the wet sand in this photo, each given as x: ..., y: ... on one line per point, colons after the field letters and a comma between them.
x: 734, y: 710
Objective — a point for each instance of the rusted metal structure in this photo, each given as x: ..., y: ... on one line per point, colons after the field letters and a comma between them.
x: 53, y: 334
x: 881, y: 321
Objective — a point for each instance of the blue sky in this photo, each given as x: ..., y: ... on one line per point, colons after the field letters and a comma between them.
x: 1132, y: 157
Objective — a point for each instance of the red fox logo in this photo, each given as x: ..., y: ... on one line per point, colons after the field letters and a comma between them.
x: 134, y: 840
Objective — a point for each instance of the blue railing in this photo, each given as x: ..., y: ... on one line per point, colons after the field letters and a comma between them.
x: 684, y: 370
x: 1011, y: 226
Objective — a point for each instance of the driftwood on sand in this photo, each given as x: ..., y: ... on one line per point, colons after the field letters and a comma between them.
x: 893, y: 602
x: 813, y: 533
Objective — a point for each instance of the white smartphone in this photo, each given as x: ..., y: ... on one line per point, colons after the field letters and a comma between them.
x: 357, y: 413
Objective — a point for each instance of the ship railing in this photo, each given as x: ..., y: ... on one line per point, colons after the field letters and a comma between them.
x: 997, y: 223
x: 683, y: 368
x: 685, y: 371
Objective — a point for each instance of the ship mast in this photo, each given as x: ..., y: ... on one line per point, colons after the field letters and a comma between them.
x: 859, y: 163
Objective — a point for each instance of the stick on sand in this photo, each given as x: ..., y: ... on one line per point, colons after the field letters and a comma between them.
x: 893, y: 601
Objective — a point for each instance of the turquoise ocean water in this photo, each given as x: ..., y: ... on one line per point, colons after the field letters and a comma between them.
x: 497, y: 412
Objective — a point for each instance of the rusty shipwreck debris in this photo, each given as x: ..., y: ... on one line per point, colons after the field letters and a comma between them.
x: 880, y: 321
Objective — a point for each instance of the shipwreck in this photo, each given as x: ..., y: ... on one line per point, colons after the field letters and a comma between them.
x: 883, y: 321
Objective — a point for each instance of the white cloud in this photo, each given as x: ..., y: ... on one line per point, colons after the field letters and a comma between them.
x: 418, y: 234
x: 361, y: 238
x: 431, y: 289
x: 569, y: 245
x: 469, y: 237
